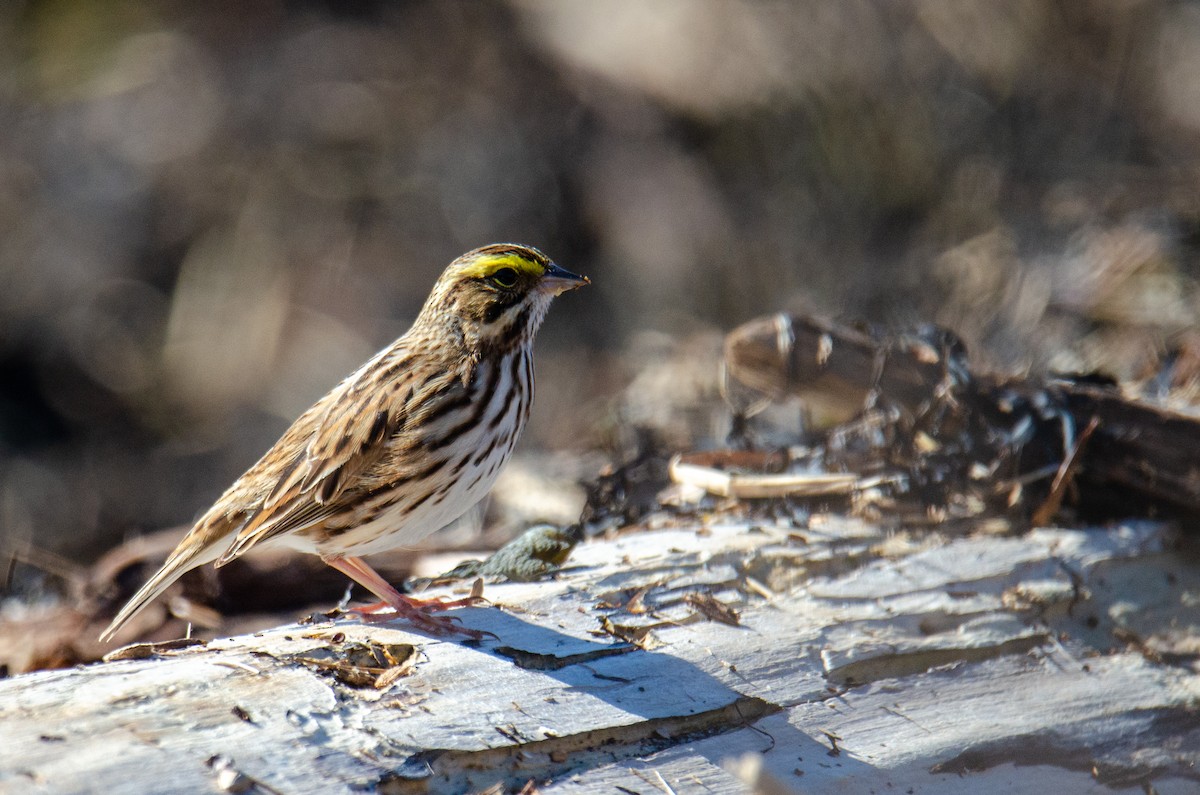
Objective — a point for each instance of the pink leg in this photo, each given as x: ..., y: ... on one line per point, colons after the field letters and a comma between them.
x: 415, y: 611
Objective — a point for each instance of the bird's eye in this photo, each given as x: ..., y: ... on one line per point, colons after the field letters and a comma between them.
x: 505, y: 277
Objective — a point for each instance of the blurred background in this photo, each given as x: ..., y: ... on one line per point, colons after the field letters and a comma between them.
x: 212, y: 212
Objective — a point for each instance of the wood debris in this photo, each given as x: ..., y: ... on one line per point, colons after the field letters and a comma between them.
x: 913, y: 408
x: 143, y: 651
x: 695, y: 470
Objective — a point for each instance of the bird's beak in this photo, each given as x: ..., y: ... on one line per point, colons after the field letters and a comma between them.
x: 558, y: 280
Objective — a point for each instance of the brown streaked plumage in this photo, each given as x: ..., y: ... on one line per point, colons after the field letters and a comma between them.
x: 403, y: 446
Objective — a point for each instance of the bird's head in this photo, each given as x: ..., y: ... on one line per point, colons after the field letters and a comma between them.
x: 496, y: 296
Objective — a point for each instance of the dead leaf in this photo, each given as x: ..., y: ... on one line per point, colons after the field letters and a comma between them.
x: 713, y: 609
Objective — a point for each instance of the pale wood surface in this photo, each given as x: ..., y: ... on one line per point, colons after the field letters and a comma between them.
x: 977, y: 663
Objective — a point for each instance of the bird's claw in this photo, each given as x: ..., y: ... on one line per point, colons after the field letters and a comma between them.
x: 420, y: 613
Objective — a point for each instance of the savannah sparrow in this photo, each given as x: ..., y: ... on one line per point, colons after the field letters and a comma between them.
x: 403, y: 446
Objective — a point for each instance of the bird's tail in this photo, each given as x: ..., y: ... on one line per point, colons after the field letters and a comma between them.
x: 185, y: 558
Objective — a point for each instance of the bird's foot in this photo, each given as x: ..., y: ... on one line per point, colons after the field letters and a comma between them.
x: 421, y: 614
x: 418, y: 612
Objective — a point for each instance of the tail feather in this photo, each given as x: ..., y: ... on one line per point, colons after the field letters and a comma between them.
x: 182, y: 560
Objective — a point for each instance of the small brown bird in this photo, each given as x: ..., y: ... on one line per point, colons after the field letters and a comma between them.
x: 402, y: 447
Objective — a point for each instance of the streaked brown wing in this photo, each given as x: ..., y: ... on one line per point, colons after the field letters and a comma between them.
x: 349, y: 431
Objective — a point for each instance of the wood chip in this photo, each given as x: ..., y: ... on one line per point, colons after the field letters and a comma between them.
x: 761, y: 486
x: 143, y: 651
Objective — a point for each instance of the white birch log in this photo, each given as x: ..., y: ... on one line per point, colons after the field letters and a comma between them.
x: 861, y: 663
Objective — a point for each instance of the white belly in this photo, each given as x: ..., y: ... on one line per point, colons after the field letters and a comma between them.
x: 398, y: 526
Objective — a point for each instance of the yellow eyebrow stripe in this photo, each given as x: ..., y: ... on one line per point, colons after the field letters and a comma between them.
x: 490, y: 263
